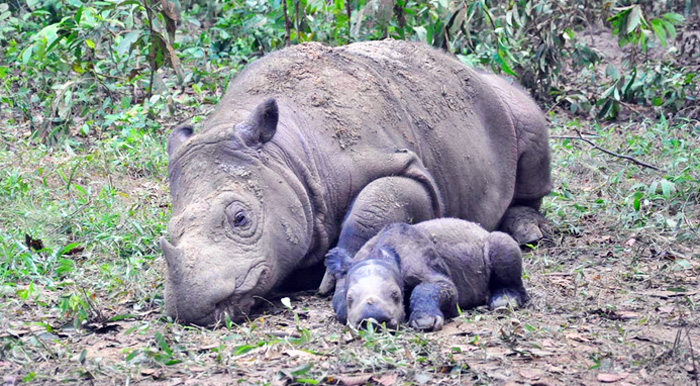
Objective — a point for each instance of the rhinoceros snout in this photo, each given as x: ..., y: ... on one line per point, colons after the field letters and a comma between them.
x: 198, y: 293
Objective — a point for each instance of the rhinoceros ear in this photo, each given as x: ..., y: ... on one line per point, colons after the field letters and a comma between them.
x: 338, y: 262
x: 391, y: 255
x: 177, y: 137
x: 261, y: 125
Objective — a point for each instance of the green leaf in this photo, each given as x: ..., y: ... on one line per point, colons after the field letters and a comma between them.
x: 78, y: 15
x: 240, y: 350
x: 117, y: 318
x: 674, y: 18
x: 90, y: 43
x: 127, y: 41
x: 637, y: 204
x: 669, y: 28
x: 659, y: 31
x: 27, y: 378
x: 301, y: 370
x: 132, y: 355
x: 634, y: 18
x: 498, y: 58
x: 163, y: 344
x: 68, y: 248
x: 667, y: 187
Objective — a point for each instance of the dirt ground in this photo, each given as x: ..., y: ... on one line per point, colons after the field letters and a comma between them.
x: 609, y: 305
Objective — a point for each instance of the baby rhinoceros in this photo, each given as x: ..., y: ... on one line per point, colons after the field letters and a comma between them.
x: 440, y: 263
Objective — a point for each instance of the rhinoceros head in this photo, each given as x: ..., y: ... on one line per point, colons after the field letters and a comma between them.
x: 241, y: 218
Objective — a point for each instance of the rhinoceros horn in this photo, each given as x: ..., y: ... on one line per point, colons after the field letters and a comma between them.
x: 173, y: 257
x: 261, y: 125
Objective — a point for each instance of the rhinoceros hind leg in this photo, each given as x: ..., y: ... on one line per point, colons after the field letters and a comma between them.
x: 524, y: 223
x: 506, y: 283
x: 505, y: 297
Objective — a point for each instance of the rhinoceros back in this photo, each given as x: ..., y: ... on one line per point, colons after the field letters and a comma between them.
x: 373, y: 97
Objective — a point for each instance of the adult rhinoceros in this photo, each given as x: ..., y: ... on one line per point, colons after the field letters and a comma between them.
x: 313, y: 147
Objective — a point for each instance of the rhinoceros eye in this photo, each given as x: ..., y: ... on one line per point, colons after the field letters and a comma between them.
x: 240, y: 219
x: 350, y: 300
x: 237, y: 215
x: 396, y: 295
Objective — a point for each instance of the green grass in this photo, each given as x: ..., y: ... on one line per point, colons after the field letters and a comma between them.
x: 88, y: 305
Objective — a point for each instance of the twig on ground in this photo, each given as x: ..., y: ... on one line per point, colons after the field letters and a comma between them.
x: 685, y: 218
x: 570, y: 136
x: 692, y: 355
x: 612, y: 153
x: 558, y: 274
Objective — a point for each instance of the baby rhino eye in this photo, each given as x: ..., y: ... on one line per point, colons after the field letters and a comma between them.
x: 396, y: 295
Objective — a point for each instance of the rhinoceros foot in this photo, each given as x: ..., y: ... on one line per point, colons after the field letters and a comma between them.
x: 426, y: 321
x: 525, y: 224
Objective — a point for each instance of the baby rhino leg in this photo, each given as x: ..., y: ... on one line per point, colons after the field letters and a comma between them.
x: 505, y: 283
x: 428, y: 300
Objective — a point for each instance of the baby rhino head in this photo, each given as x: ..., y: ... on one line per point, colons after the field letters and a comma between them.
x: 373, y: 288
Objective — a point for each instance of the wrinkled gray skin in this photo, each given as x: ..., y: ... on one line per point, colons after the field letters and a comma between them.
x: 314, y: 147
x: 436, y: 264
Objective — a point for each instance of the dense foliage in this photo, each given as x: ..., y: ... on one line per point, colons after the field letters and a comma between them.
x: 79, y: 66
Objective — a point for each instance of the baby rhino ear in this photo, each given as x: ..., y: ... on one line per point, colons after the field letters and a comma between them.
x: 390, y: 254
x: 338, y: 262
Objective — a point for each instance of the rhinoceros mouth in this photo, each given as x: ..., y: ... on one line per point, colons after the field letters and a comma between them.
x: 238, y: 305
x: 236, y: 310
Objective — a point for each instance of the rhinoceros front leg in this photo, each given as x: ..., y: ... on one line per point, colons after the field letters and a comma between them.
x: 428, y: 301
x: 384, y: 201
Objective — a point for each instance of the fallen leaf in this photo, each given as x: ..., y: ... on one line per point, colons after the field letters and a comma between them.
x: 627, y: 315
x: 609, y: 378
x: 423, y: 378
x: 387, y: 379
x: 644, y: 373
x: 555, y: 369
x: 149, y: 372
x: 299, y: 354
x: 32, y: 243
x: 11, y: 380
x: 577, y: 337
x: 354, y: 380
x: 531, y: 374
x: 630, y: 242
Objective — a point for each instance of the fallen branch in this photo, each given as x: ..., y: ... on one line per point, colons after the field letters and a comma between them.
x: 570, y: 136
x: 612, y: 153
x: 692, y: 355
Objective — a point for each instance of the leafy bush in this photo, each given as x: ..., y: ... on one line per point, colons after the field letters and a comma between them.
x: 71, y: 64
